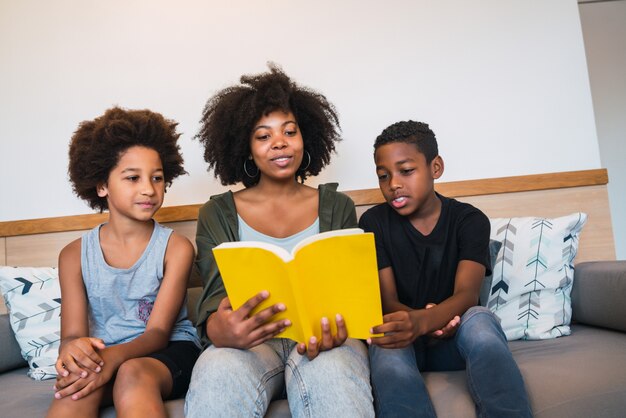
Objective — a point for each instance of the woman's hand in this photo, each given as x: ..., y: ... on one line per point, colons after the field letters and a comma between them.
x: 237, y: 329
x: 327, y: 342
x: 79, y: 357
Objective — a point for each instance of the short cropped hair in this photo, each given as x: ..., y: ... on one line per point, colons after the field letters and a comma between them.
x: 230, y: 115
x: 97, y: 146
x: 411, y: 132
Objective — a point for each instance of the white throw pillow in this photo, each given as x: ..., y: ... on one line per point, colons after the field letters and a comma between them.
x: 533, y: 275
x: 33, y: 297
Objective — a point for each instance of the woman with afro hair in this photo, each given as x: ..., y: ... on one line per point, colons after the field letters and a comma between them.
x: 270, y: 134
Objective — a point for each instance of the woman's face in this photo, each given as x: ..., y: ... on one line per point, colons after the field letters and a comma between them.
x: 276, y: 145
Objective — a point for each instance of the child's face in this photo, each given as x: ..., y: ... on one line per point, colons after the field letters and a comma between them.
x: 136, y: 186
x: 404, y: 177
x: 276, y: 145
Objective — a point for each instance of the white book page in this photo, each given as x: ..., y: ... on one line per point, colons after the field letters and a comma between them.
x: 279, y: 251
x: 323, y: 235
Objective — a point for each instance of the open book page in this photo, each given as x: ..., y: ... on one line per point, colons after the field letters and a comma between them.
x: 279, y: 251
x: 325, y: 235
x: 249, y: 270
x: 340, y: 275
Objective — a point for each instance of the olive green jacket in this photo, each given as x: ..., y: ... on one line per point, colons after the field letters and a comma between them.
x: 217, y: 223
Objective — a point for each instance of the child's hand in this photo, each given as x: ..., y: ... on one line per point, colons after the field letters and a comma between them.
x: 237, y: 329
x: 79, y: 357
x: 78, y: 387
x: 328, y: 341
x: 401, y: 328
x: 449, y: 330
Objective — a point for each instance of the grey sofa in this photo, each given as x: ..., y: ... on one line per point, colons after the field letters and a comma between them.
x: 582, y: 375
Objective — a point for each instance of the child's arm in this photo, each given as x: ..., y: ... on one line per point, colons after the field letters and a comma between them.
x: 77, y: 354
x: 403, y: 325
x: 177, y: 265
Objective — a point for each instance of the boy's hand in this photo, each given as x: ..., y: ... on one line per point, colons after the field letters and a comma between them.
x: 237, y: 329
x: 401, y: 328
x: 449, y: 330
x: 328, y: 341
x: 79, y: 357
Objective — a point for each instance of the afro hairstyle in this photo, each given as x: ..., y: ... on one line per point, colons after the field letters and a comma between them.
x: 410, y: 132
x: 229, y: 117
x: 97, y: 145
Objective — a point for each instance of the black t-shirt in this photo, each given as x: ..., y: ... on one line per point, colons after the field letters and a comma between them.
x: 425, y: 266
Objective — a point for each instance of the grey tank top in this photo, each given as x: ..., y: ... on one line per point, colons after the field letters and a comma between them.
x: 120, y: 300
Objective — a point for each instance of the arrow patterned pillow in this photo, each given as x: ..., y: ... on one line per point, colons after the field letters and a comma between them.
x: 533, y: 275
x: 33, y: 298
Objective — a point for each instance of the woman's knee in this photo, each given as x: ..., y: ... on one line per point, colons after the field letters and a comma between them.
x: 352, y: 354
x: 348, y: 362
x: 216, y: 366
x: 230, y: 382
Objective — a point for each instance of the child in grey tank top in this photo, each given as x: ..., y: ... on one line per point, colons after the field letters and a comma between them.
x: 124, y: 326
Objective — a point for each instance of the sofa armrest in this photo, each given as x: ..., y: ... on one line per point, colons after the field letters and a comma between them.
x: 598, y: 294
x: 10, y: 355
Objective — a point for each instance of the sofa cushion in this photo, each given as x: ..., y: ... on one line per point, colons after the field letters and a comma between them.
x: 485, y: 288
x: 598, y: 294
x: 579, y: 376
x: 33, y: 298
x: 22, y: 397
x: 533, y: 275
x: 582, y: 375
x: 10, y: 353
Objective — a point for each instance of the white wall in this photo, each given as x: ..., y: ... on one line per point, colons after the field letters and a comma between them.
x: 604, y: 30
x: 503, y: 84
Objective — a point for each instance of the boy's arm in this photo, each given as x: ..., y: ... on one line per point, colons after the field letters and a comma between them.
x: 171, y: 295
x: 402, y: 325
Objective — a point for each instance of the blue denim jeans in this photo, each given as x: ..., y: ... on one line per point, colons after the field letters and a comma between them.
x: 228, y: 382
x: 479, y: 346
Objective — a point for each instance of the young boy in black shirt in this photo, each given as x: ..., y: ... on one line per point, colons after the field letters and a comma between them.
x: 432, y: 253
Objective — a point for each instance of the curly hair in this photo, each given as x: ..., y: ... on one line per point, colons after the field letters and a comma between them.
x: 410, y: 132
x: 229, y: 117
x: 97, y: 146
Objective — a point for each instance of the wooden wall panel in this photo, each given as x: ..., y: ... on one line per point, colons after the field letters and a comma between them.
x: 40, y: 250
x: 187, y: 228
x: 596, y: 240
x: 3, y: 253
x: 3, y: 308
x: 360, y: 197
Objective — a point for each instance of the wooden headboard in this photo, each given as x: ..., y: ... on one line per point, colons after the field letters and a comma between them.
x: 37, y: 242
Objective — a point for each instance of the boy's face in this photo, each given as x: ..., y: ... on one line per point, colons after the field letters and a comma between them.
x: 404, y: 177
x: 136, y: 186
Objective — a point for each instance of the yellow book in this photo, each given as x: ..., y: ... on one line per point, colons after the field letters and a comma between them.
x: 326, y: 274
